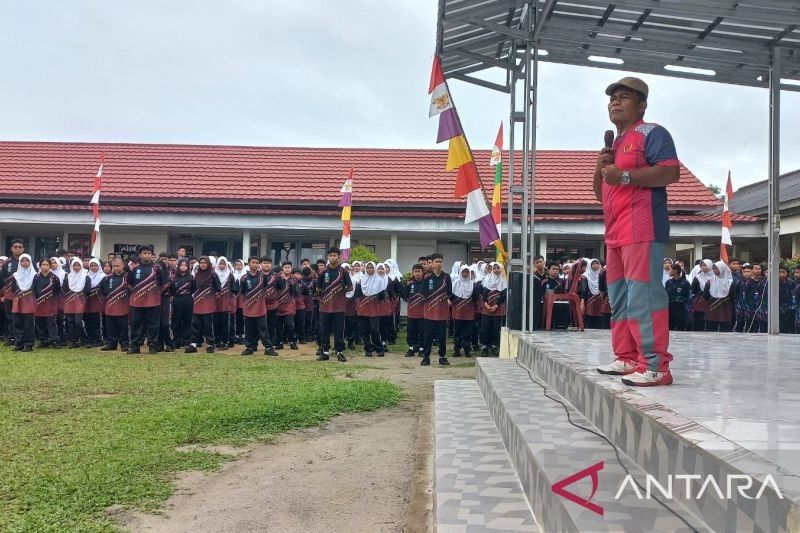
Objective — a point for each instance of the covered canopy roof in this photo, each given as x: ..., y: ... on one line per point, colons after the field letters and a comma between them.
x: 728, y: 41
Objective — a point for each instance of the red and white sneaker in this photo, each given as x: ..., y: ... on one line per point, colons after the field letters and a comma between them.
x: 648, y: 378
x: 619, y: 367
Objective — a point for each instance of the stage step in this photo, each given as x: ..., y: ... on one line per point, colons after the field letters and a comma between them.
x: 476, y: 488
x: 546, y: 449
x: 661, y: 442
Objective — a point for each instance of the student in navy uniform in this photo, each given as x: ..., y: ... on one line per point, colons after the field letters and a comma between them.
x: 165, y: 342
x: 9, y: 268
x: 46, y: 290
x: 678, y: 293
x: 368, y: 295
x: 701, y: 278
x: 554, y: 283
x: 317, y: 269
x: 75, y: 289
x: 222, y: 306
x: 591, y: 297
x: 145, y: 281
x: 24, y: 304
x: 307, y: 287
x: 254, y: 309
x: 465, y: 294
x: 57, y: 268
x: 495, y: 289
x: 414, y: 294
x: 332, y: 285
x: 717, y: 292
x: 273, y: 284
x: 438, y: 291
x: 237, y: 316
x: 181, y: 288
x: 117, y: 297
x: 350, y: 314
x: 286, y: 308
x: 786, y: 304
x: 299, y: 306
x: 94, y: 304
x: 205, y: 289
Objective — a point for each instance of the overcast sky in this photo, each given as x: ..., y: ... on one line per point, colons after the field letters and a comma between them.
x: 320, y: 73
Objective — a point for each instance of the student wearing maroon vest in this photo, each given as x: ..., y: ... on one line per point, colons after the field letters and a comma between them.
x: 494, y: 289
x: 273, y: 284
x: 299, y: 306
x: 286, y: 308
x: 75, y: 289
x: 117, y: 297
x: 222, y: 306
x: 94, y: 304
x: 350, y: 315
x: 9, y: 268
x: 306, y: 285
x: 58, y: 266
x: 465, y: 294
x: 415, y: 310
x: 165, y: 341
x: 438, y: 291
x: 388, y: 333
x: 46, y: 290
x: 370, y: 293
x: 145, y: 281
x: 332, y: 285
x: 254, y: 309
x: 23, y: 305
x: 205, y: 289
x: 181, y: 288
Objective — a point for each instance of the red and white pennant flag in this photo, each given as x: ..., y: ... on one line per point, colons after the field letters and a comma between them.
x: 95, y: 203
x: 726, y: 221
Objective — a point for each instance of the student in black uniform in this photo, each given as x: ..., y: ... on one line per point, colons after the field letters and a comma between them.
x: 181, y: 288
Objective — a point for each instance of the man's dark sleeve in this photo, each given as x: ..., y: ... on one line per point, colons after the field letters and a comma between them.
x: 348, y: 283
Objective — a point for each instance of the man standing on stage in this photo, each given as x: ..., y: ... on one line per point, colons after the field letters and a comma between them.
x: 631, y: 181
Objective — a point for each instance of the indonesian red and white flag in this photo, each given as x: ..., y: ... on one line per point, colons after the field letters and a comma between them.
x: 95, y: 203
x: 726, y: 220
x: 440, y: 95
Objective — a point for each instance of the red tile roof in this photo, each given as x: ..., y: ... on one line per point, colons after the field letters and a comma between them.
x: 551, y: 217
x: 175, y: 173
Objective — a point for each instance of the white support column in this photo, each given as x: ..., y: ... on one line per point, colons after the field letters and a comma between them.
x: 543, y: 246
x: 393, y: 247
x: 263, y: 249
x: 65, y: 242
x: 698, y: 250
x: 245, y: 245
x: 603, y: 250
x: 795, y: 244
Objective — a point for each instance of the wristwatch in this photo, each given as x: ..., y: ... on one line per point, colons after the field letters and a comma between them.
x: 625, y: 179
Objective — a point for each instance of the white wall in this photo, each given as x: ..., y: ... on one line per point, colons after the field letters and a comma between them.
x: 408, y: 251
x: 111, y: 237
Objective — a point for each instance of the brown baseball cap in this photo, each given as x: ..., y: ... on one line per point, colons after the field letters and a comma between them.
x: 629, y: 82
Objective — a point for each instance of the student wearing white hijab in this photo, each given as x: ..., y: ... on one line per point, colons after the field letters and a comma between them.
x: 369, y: 293
x: 351, y: 329
x: 24, y: 304
x: 222, y: 306
x: 47, y: 292
x: 462, y: 310
x: 76, y: 289
x: 666, y: 274
x: 591, y: 296
x: 719, y: 313
x: 395, y: 290
x: 95, y: 304
x: 701, y: 276
x: 494, y: 289
x: 237, y: 318
x: 386, y: 322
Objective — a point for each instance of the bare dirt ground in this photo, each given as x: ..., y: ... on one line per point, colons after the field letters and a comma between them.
x: 365, y: 472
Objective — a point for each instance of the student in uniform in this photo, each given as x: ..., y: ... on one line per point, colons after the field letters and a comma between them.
x: 3, y: 260
x: 181, y: 289
x: 46, y: 290
x: 701, y: 278
x: 222, y: 304
x: 786, y: 304
x: 554, y: 283
x: 9, y: 268
x: 438, y: 290
x: 23, y: 306
x: 273, y: 284
x: 254, y: 309
x: 393, y: 293
x: 206, y: 286
x: 57, y: 268
x: 465, y: 294
x: 332, y: 285
x: 370, y: 292
x: 165, y: 342
x: 385, y: 308
x: 237, y: 321
x: 286, y: 308
x: 495, y: 290
x: 117, y: 308
x: 679, y: 291
x: 350, y: 315
x: 717, y: 293
x: 145, y: 280
x: 301, y: 291
x: 477, y: 279
x: 75, y: 289
x: 94, y: 304
x: 307, y: 283
x: 415, y: 310
x: 318, y: 268
x: 591, y: 297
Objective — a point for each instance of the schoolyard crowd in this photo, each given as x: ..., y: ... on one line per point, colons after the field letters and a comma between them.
x: 174, y: 301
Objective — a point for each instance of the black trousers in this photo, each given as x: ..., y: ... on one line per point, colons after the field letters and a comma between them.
x: 331, y: 323
x: 164, y: 332
x: 221, y: 331
x: 2, y: 316
x: 699, y: 321
x: 677, y: 316
x: 255, y: 329
x: 415, y: 334
x: 285, y: 329
x: 237, y: 323
x: 74, y: 327
x: 203, y: 329
x: 145, y: 321
x: 62, y: 333
x: 46, y: 329
x: 371, y: 334
x: 272, y: 325
x: 718, y: 326
x: 490, y: 330
x: 117, y: 329
x: 315, y: 320
x: 91, y: 321
x: 462, y: 335
x: 23, y: 329
x: 9, y: 331
x: 439, y: 329
x: 310, y: 333
x: 476, y: 330
x: 351, y: 327
x: 786, y: 322
x: 592, y: 322
x: 300, y: 324
x: 181, y: 319
x: 388, y: 332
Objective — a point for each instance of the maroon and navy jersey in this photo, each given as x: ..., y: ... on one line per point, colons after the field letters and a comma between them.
x: 415, y: 299
x: 253, y: 295
x: 117, y: 295
x: 633, y: 213
x: 438, y: 290
x: 332, y: 285
x: 47, y: 290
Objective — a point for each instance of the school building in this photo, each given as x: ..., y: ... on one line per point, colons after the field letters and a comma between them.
x: 241, y: 201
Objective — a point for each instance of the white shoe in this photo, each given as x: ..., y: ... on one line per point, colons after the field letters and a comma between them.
x: 619, y: 367
x: 648, y: 378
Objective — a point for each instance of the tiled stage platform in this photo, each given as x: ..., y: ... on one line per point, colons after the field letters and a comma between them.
x: 734, y: 409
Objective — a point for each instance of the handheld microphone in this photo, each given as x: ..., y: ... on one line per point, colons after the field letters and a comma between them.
x: 609, y: 139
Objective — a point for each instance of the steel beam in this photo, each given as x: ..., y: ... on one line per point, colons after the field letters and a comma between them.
x: 774, y: 212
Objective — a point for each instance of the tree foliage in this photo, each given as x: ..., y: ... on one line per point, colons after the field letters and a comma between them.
x: 362, y: 253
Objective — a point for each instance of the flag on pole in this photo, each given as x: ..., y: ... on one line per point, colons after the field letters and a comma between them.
x: 346, y: 203
x: 726, y: 221
x: 496, y: 161
x: 95, y: 203
x: 459, y: 158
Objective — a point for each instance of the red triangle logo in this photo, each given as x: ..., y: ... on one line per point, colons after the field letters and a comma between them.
x: 586, y: 503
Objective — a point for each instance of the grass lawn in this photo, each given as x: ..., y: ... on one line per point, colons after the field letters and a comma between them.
x: 81, y: 430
